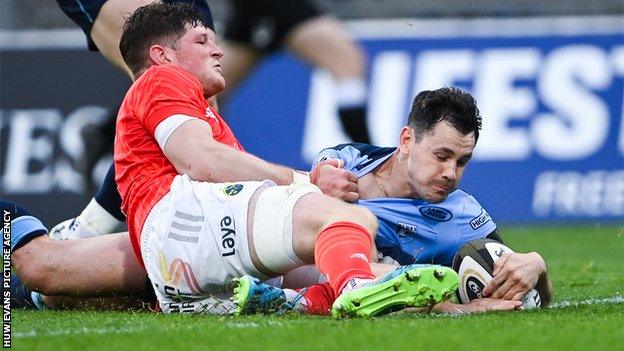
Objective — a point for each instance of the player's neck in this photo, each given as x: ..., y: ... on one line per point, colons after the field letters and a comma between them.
x: 390, y: 178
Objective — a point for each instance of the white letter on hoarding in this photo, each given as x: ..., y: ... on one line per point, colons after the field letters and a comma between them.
x: 67, y: 178
x: 322, y: 128
x: 388, y: 100
x: 617, y: 59
x: 25, y: 147
x: 580, y: 122
x: 614, y: 194
x: 500, y: 101
x: 544, y: 193
x: 439, y: 68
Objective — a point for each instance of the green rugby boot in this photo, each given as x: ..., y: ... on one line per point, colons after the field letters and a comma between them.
x: 252, y: 296
x: 414, y: 285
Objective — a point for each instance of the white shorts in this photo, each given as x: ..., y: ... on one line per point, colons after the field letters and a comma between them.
x: 194, y: 241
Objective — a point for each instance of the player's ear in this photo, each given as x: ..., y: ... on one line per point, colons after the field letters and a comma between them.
x: 406, y: 139
x: 159, y: 54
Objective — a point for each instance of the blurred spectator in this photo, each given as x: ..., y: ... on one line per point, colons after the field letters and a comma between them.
x: 257, y: 28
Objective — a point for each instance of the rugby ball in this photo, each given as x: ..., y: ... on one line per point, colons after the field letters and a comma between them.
x: 474, y: 263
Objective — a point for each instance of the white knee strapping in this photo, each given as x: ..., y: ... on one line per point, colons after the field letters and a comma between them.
x: 272, y: 226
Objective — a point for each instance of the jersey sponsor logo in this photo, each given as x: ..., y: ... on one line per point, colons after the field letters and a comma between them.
x: 174, y: 273
x: 233, y: 189
x: 406, y: 230
x: 228, y: 235
x: 436, y: 213
x: 480, y: 220
x: 183, y: 303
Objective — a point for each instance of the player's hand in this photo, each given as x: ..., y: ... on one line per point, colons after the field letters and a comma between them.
x: 514, y: 275
x: 477, y: 306
x: 335, y: 181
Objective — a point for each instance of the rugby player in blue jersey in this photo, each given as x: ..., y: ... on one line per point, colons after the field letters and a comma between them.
x: 412, y: 189
x: 423, y: 216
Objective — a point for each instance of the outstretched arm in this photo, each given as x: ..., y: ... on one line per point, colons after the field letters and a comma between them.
x: 476, y: 306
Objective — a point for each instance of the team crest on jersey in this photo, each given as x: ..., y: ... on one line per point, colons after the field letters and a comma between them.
x: 480, y: 220
x: 233, y: 189
x: 406, y: 230
x: 209, y: 113
x: 436, y: 213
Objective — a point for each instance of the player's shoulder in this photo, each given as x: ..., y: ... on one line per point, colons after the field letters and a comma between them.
x: 466, y: 208
x: 362, y: 152
x: 359, y: 158
x: 372, y: 151
x: 460, y: 196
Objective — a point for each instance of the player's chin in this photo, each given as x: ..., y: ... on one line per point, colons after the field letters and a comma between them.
x: 217, y: 84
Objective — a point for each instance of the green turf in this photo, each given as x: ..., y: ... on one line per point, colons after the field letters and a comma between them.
x: 586, y: 263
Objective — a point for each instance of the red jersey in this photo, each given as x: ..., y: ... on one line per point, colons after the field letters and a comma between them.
x: 142, y: 171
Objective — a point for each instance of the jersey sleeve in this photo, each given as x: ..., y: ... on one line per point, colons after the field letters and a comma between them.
x: 166, y: 91
x: 358, y: 158
x: 475, y: 222
x: 339, y: 152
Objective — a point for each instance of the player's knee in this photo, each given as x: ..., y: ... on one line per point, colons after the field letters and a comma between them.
x: 355, y: 214
x: 33, y: 273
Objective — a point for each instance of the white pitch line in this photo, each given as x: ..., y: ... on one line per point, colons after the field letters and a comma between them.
x: 573, y: 303
x: 136, y: 329
x: 234, y: 324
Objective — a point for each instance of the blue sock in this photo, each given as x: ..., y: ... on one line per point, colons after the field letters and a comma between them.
x: 108, y: 196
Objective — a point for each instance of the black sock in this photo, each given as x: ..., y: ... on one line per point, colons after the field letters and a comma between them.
x: 353, y: 121
x: 108, y: 196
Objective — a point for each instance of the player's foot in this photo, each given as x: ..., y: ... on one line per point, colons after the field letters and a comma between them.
x: 70, y: 229
x: 406, y: 286
x: 20, y: 294
x: 253, y: 296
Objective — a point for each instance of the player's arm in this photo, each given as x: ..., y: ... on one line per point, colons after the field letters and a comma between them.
x: 476, y: 306
x: 192, y: 150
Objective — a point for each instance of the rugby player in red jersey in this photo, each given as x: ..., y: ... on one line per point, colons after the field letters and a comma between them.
x: 194, y: 224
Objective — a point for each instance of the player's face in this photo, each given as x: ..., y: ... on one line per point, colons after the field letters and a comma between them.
x: 198, y: 52
x: 437, y: 162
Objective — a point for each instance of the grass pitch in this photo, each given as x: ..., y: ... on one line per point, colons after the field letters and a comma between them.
x: 585, y: 264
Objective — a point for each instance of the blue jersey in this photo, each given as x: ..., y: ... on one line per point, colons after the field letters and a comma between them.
x: 415, y: 231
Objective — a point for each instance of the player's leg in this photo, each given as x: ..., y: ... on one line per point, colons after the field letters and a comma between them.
x: 108, y: 26
x: 101, y: 216
x: 324, y: 43
x: 294, y: 226
x: 102, y: 21
x: 303, y: 290
x: 240, y: 56
x: 93, y: 267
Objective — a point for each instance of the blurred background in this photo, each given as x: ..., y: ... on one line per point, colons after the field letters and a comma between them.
x: 548, y: 78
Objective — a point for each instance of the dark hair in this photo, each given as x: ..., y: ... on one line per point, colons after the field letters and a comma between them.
x: 156, y: 23
x: 452, y: 105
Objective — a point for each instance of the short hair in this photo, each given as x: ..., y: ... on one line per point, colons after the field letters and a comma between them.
x: 449, y: 104
x: 156, y: 23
